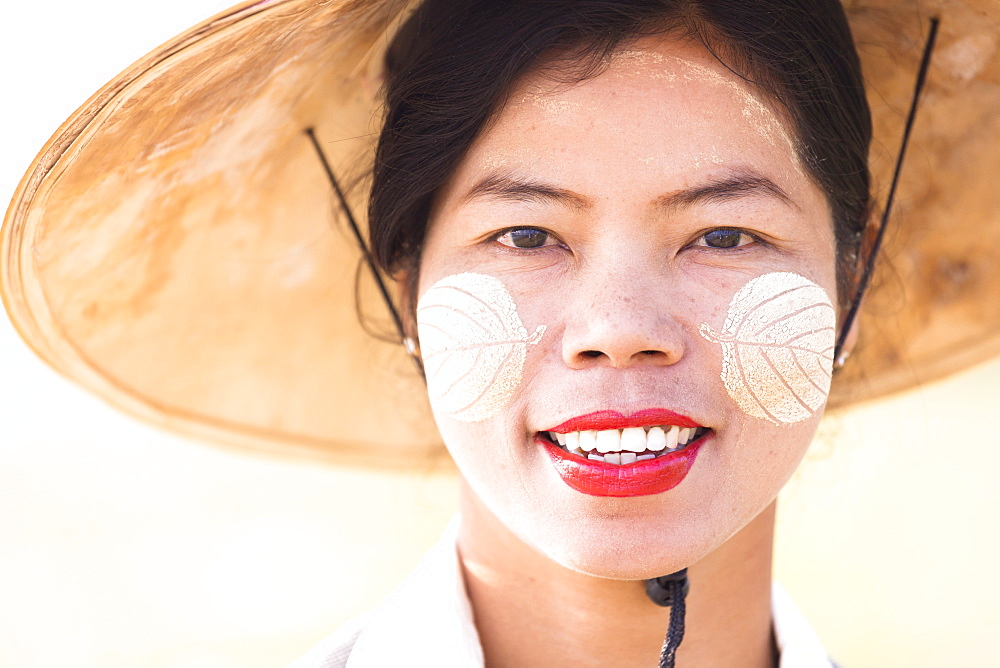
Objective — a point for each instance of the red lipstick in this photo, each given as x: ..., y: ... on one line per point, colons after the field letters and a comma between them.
x: 641, y: 478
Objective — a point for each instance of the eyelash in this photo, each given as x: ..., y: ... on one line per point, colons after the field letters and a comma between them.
x: 753, y: 238
x: 502, y: 233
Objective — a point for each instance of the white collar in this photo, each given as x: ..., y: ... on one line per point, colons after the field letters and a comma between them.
x: 427, y: 621
x: 798, y: 644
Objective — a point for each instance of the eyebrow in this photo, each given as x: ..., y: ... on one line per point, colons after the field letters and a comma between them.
x: 514, y: 189
x: 739, y: 184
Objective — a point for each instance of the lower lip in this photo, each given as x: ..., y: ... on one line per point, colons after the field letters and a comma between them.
x: 650, y: 476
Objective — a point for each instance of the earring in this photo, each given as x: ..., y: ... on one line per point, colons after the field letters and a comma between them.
x: 410, y: 345
x: 413, y: 350
x: 841, y: 359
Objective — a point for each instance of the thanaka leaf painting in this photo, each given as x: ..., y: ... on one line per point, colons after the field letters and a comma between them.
x: 473, y: 345
x: 777, y: 347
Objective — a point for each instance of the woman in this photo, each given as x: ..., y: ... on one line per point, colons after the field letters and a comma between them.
x: 602, y: 174
x: 628, y: 238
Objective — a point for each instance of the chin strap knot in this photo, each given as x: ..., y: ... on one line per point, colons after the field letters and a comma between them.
x: 668, y: 591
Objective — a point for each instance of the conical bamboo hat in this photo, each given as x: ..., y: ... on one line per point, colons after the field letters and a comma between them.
x: 176, y: 247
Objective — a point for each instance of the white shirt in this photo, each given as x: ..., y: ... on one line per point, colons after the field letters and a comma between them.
x: 427, y: 621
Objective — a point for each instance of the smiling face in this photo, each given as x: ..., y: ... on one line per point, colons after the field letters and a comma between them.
x: 621, y: 217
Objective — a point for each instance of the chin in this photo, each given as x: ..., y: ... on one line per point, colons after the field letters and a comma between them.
x: 624, y: 548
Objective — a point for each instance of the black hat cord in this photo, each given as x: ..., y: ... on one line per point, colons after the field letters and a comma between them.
x: 925, y: 62
x: 365, y: 251
x: 671, y: 590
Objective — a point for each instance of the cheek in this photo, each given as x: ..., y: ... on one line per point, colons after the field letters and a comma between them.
x: 473, y: 345
x: 777, y: 345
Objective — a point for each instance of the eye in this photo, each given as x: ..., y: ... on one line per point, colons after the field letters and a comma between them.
x: 725, y: 238
x: 526, y: 237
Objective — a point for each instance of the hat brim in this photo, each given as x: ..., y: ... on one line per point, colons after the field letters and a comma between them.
x: 177, y: 249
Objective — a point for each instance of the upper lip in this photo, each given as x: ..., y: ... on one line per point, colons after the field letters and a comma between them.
x: 610, y: 419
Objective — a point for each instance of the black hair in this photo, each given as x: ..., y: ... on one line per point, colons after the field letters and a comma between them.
x: 452, y: 65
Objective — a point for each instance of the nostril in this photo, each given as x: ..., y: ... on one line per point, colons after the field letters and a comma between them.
x: 652, y: 352
x: 592, y: 353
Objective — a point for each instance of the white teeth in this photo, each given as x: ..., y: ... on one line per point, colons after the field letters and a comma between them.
x: 656, y: 440
x: 572, y: 440
x: 625, y: 446
x: 609, y: 440
x: 634, y: 439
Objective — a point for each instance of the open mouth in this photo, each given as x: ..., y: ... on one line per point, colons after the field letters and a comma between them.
x: 626, y: 446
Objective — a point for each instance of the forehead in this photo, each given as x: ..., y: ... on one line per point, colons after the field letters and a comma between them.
x: 662, y: 106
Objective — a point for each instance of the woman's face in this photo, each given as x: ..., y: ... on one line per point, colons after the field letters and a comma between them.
x: 586, y: 270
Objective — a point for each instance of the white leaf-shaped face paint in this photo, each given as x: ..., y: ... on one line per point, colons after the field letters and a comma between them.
x: 473, y: 345
x: 777, y: 347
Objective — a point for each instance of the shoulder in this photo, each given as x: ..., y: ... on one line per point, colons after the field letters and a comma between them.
x: 426, y: 621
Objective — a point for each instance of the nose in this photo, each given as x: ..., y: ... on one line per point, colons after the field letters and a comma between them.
x: 622, y: 322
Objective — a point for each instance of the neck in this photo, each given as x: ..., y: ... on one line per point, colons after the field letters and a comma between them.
x: 531, y: 611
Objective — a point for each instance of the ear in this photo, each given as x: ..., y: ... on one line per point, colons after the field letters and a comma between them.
x: 868, y: 238
x: 406, y: 282
x: 850, y: 341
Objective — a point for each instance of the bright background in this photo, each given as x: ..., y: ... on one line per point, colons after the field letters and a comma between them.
x: 122, y: 546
